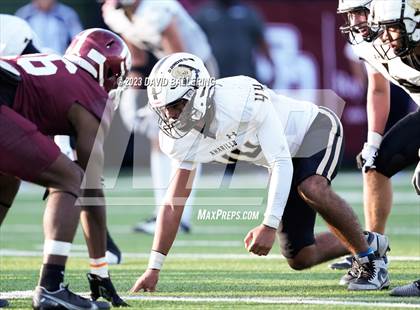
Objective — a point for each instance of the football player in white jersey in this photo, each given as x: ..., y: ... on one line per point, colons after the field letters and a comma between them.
x: 399, y: 44
x: 203, y: 120
x: 386, y: 61
x: 160, y: 27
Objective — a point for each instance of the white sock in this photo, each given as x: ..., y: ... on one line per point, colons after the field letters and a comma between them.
x: 99, y: 266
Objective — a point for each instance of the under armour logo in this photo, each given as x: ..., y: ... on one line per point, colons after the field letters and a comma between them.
x: 231, y: 135
x: 382, y: 275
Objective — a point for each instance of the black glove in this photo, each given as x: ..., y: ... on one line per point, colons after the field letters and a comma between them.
x: 103, y: 287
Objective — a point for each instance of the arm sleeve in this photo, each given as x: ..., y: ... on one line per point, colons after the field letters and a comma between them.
x: 276, y: 151
x: 186, y: 165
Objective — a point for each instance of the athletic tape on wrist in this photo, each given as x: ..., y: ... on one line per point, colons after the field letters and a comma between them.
x: 374, y: 139
x: 53, y: 247
x: 156, y: 260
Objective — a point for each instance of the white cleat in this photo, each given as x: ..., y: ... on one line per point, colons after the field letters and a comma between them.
x: 372, y: 274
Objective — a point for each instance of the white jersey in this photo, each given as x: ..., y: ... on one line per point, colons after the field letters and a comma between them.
x: 149, y: 21
x: 160, y: 13
x: 394, y: 70
x: 251, y: 123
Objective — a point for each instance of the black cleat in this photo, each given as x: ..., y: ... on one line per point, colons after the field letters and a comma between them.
x: 343, y: 264
x: 409, y: 290
x: 63, y: 299
x: 103, y: 287
x: 3, y: 303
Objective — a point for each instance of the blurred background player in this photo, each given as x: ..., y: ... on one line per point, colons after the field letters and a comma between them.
x: 387, y: 60
x: 56, y: 24
x: 154, y: 29
x: 235, y: 30
x: 81, y: 109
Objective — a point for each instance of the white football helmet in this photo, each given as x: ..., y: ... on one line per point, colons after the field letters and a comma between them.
x: 176, y: 77
x: 402, y: 16
x: 15, y: 35
x: 355, y: 14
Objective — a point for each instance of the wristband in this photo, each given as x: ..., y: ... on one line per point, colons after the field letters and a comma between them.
x: 374, y: 139
x: 156, y: 260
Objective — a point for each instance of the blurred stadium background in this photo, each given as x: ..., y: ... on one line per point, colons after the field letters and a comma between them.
x: 309, y: 53
x: 307, y: 48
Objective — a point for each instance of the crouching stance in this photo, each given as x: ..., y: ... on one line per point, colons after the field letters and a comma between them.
x: 301, y: 144
x: 43, y: 95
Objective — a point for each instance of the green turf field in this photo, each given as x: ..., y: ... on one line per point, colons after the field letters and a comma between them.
x: 210, y: 268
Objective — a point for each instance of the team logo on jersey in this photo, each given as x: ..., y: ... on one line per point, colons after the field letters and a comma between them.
x: 231, y: 135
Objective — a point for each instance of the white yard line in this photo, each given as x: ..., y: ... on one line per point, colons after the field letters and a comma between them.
x: 19, y: 253
x: 260, y: 300
x: 204, y: 229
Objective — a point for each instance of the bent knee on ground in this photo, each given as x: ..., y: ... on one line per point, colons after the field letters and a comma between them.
x: 304, y: 259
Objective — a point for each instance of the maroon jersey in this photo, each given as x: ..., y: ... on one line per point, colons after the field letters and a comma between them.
x: 50, y: 85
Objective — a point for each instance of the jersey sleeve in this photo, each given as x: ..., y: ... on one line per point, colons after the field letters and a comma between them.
x: 147, y: 37
x: 274, y: 146
x: 370, y: 68
x: 159, y: 14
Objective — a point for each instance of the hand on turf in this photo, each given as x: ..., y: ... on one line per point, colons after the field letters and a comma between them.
x: 366, y: 158
x: 416, y: 179
x: 260, y: 240
x: 147, y: 282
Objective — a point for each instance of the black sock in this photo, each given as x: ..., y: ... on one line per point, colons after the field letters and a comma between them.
x: 51, y: 277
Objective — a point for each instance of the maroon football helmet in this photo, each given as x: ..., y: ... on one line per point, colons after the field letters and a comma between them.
x: 103, y: 54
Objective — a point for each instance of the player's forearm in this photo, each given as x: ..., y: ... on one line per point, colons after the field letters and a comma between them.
x: 378, y: 106
x: 280, y: 182
x: 166, y: 227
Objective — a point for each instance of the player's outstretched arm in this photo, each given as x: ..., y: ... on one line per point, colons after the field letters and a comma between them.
x: 274, y: 145
x: 167, y: 225
x: 378, y: 105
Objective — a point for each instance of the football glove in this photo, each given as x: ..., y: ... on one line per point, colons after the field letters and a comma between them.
x: 366, y: 158
x: 103, y: 287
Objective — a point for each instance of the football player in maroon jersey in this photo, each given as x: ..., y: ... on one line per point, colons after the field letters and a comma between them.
x: 43, y: 95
